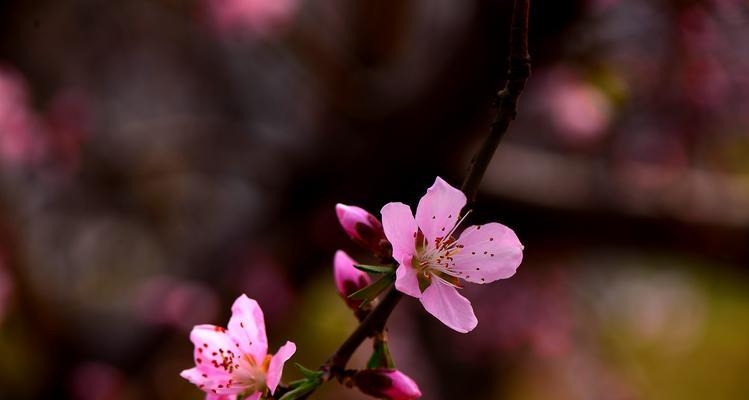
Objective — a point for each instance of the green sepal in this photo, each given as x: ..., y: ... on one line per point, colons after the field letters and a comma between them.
x: 301, y: 390
x: 375, y: 269
x: 381, y: 357
x: 296, y: 383
x: 308, y: 373
x: 371, y: 291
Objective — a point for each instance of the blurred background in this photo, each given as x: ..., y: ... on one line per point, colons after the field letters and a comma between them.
x: 159, y: 158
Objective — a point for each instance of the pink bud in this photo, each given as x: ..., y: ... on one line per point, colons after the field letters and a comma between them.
x: 363, y: 228
x: 387, y: 384
x: 347, y: 278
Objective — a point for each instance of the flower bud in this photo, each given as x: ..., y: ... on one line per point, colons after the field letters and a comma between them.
x: 347, y: 278
x: 387, y: 384
x: 363, y: 228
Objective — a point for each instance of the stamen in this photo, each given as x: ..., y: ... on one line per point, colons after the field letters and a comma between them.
x: 439, y: 257
x: 457, y: 224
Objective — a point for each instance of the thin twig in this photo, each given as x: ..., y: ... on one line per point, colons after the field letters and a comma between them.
x: 507, y: 99
x: 506, y: 103
x: 375, y: 321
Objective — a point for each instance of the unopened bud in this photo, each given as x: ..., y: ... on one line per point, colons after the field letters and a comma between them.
x: 387, y: 384
x: 348, y: 279
x: 363, y: 228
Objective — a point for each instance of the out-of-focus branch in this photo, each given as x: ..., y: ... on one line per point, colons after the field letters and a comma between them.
x: 506, y: 101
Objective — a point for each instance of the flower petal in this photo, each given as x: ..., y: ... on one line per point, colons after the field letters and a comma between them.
x: 216, y: 356
x: 402, y: 387
x: 488, y: 253
x: 406, y: 280
x: 439, y: 209
x: 275, y: 370
x: 247, y: 326
x: 361, y: 226
x: 347, y: 278
x: 387, y: 384
x: 215, y: 351
x: 400, y: 229
x: 211, y: 383
x: 444, y: 302
x: 211, y: 396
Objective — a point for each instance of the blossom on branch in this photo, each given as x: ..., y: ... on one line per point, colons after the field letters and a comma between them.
x: 235, y: 360
x: 363, y: 228
x: 432, y: 261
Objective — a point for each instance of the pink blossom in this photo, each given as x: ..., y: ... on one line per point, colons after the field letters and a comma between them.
x: 347, y: 278
x: 254, y: 16
x: 236, y: 360
x: 580, y: 111
x: 19, y: 126
x: 363, y: 228
x: 432, y: 261
x: 387, y: 384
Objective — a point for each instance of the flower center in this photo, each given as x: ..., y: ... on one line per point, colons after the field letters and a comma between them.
x: 435, y: 259
x: 251, y: 374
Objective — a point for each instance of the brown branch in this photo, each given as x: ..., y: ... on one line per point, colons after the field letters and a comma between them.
x: 506, y: 103
x: 374, y: 322
x: 507, y: 99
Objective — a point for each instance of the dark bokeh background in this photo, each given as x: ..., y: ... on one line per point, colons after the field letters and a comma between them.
x: 159, y: 158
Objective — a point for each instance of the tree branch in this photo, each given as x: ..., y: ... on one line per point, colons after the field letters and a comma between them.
x: 507, y: 99
x: 374, y: 322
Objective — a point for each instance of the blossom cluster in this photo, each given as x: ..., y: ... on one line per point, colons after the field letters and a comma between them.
x: 425, y: 257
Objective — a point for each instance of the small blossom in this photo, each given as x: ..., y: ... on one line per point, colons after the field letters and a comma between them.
x: 236, y: 360
x: 363, y: 228
x: 387, y: 384
x: 432, y: 262
x: 348, y: 279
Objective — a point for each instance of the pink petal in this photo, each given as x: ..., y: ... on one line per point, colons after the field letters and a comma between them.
x: 362, y: 227
x: 490, y: 252
x: 387, y: 384
x: 445, y: 303
x: 211, y: 396
x: 402, y: 386
x: 406, y: 280
x: 213, y: 383
x: 439, y: 209
x: 213, y: 347
x: 275, y: 370
x: 347, y: 278
x: 247, y: 326
x: 400, y: 229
